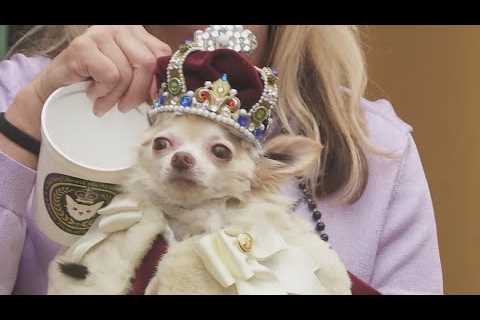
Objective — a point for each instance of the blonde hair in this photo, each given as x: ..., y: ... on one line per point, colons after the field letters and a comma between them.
x: 323, y: 77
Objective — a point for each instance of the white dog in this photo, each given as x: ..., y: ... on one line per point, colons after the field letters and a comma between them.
x: 215, y: 200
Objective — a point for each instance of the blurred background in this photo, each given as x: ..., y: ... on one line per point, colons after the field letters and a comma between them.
x: 9, y: 34
x: 431, y: 74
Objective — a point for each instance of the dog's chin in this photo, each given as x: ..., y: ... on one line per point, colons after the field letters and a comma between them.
x: 182, y: 183
x: 180, y: 189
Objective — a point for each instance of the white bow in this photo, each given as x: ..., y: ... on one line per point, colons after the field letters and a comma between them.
x: 122, y: 213
x: 270, y: 267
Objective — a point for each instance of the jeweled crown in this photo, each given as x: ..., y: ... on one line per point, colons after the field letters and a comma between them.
x: 87, y: 196
x: 216, y: 99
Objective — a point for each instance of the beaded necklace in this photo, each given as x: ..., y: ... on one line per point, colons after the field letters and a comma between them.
x: 307, y: 196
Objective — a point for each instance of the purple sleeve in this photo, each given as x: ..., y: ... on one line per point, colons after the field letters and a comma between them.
x: 15, y: 73
x: 16, y: 180
x: 408, y: 259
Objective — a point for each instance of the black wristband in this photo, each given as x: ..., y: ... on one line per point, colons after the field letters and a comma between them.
x: 18, y: 136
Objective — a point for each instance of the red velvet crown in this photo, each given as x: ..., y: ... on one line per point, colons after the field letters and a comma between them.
x: 201, y: 66
x: 220, y: 85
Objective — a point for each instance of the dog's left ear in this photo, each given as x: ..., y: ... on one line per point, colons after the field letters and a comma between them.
x: 285, y: 156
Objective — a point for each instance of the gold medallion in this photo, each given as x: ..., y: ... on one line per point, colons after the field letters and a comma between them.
x: 245, y: 242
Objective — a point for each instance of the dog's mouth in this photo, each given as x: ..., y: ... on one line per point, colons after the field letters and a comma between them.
x: 183, y: 181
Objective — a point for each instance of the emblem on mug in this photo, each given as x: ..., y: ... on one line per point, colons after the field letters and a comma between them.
x: 72, y: 203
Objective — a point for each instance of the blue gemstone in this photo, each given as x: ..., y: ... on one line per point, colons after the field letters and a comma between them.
x: 224, y: 77
x: 186, y: 101
x: 162, y: 100
x: 243, y: 120
x: 258, y: 133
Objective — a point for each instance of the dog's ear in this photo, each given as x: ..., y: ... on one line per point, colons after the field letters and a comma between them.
x: 284, y: 157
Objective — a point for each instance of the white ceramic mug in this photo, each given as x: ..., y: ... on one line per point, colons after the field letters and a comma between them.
x: 82, y: 161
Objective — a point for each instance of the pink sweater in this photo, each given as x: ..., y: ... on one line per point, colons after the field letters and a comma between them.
x: 387, y: 238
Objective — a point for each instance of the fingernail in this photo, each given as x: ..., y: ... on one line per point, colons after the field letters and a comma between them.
x: 122, y: 107
x: 98, y: 113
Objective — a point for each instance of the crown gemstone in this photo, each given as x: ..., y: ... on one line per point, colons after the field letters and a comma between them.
x: 243, y: 120
x: 186, y: 101
x: 232, y: 105
x: 259, y: 134
x: 221, y: 87
x: 174, y: 86
x: 204, y: 96
x: 162, y: 100
x: 260, y: 114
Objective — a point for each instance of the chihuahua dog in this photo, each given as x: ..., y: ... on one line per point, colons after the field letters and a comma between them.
x: 194, y: 177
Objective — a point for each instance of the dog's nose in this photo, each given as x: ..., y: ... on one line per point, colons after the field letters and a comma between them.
x: 183, y: 161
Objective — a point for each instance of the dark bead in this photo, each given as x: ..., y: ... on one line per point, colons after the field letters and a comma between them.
x: 302, y: 186
x: 316, y: 215
x: 311, y: 204
x: 324, y: 237
x: 307, y: 195
x: 320, y: 226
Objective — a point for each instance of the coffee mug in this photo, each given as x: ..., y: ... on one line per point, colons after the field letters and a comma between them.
x: 83, y: 160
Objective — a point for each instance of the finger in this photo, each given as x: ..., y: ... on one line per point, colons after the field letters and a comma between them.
x: 107, y: 102
x: 144, y: 65
x: 84, y: 60
x: 88, y: 61
x: 138, y: 91
x: 155, y: 45
x: 115, y: 54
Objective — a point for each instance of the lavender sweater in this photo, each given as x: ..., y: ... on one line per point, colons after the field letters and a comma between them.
x: 387, y: 238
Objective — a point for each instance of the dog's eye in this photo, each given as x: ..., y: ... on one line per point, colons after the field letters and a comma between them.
x: 221, y: 152
x: 160, y: 144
